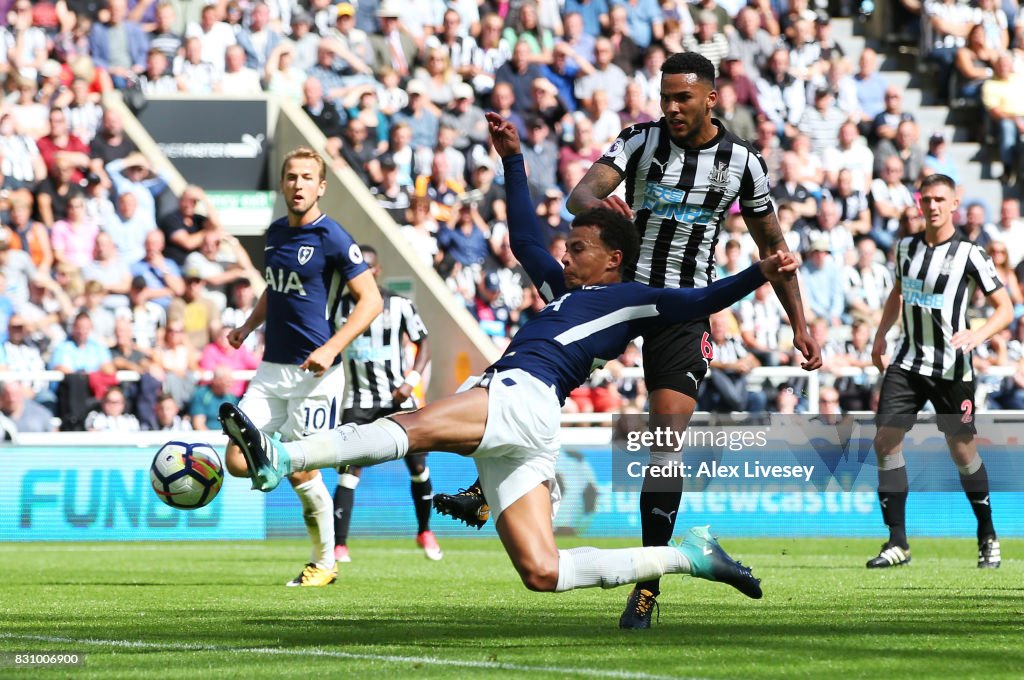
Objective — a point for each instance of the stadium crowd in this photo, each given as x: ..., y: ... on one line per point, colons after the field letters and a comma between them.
x: 98, y: 274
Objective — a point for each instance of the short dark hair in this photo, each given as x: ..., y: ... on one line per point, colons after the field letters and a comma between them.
x: 691, y: 62
x: 938, y: 178
x: 616, y: 231
x: 367, y: 249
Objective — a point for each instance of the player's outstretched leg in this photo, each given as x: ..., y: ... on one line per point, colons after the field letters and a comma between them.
x: 266, y: 458
x: 468, y: 506
x: 709, y: 561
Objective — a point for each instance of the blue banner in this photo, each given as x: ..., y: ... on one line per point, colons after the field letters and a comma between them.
x: 104, y: 494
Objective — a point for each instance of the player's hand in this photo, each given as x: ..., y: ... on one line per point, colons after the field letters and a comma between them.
x: 403, y: 392
x: 319, y: 361
x: 967, y: 340
x: 616, y: 204
x: 504, y: 135
x: 779, y: 267
x: 808, y: 347
x: 237, y: 336
x: 878, y: 356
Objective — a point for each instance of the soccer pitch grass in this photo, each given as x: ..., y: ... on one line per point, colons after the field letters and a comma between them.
x: 220, y: 610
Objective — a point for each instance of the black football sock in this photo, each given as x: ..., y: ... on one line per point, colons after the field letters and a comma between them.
x: 976, y: 487
x: 658, y: 511
x: 344, y: 500
x: 892, y: 495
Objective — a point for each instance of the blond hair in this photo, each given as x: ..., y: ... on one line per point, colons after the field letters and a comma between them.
x: 304, y: 152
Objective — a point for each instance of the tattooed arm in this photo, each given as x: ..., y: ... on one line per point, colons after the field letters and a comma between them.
x: 594, y: 189
x: 768, y: 235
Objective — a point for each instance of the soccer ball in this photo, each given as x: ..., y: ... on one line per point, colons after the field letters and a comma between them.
x: 186, y: 476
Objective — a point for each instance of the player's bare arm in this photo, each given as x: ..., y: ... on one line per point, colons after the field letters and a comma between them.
x: 259, y: 314
x: 368, y: 305
x: 1002, y: 316
x: 415, y: 375
x: 890, y: 312
x: 594, y: 189
x: 767, y: 233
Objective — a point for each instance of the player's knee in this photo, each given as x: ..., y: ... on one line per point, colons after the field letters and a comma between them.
x: 540, y: 576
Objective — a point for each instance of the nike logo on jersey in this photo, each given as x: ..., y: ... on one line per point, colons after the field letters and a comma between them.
x: 662, y: 513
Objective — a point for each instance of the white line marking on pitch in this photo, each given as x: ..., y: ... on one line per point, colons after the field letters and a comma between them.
x: 316, y: 651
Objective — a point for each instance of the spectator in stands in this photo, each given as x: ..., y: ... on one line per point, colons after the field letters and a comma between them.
x: 999, y: 253
x: 110, y: 269
x: 162, y: 276
x: 60, y: 143
x: 890, y: 199
x: 851, y: 154
x: 855, y: 391
x: 606, y: 123
x: 168, y: 415
x: 259, y: 39
x: 331, y: 122
x: 518, y: 73
x: 822, y: 282
x: 24, y: 413
x: 786, y: 401
x: 853, y: 205
x: 74, y: 238
x: 781, y: 95
x: 102, y: 318
x: 541, y: 156
x: 950, y: 21
x: 490, y: 310
x: 868, y: 282
x: 134, y: 175
x: 22, y: 354
x: 936, y: 161
x: 822, y: 121
x: 83, y: 113
x: 29, y: 113
x: 725, y: 388
x: 219, y: 352
x: 883, y: 127
x: 222, y: 261
x: 503, y: 103
x: 760, y: 320
x: 184, y: 228
x: 708, y: 40
x: 391, y: 195
x: 49, y: 307
x: 1003, y: 97
x: 750, y: 43
x: 549, y: 215
x: 157, y: 79
x: 16, y: 267
x: 81, y: 353
x: 811, y: 170
x: 112, y: 417
x: 1010, y: 230
x: 827, y: 226
x: 178, y: 360
x: 214, y: 36
x: 545, y: 103
x: 575, y: 45
x: 734, y: 72
x: 465, y: 240
x: 119, y: 46
x: 626, y: 54
x: 25, y: 44
x: 594, y: 14
x: 419, y: 117
x: 491, y: 52
x: 974, y: 227
x: 110, y: 144
x: 491, y: 205
x: 905, y: 146
x: 438, y: 78
x: 828, y: 402
x: 305, y: 40
x: 237, y: 79
x: 281, y: 76
x: 206, y: 401
x: 974, y: 64
x: 22, y: 165
x: 195, y: 74
x: 130, y: 227
x: 739, y: 120
x: 466, y: 118
x: 870, y: 86
x: 606, y: 77
x: 583, y: 147
x: 634, y: 110
x: 442, y: 190
x: 28, y: 234
x: 790, y: 190
x: 164, y: 37
x: 393, y: 46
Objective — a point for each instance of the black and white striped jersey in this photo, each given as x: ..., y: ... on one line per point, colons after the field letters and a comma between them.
x: 375, y: 362
x: 680, y: 198
x: 937, y: 283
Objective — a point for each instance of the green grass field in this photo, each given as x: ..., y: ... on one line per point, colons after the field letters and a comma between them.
x: 219, y: 610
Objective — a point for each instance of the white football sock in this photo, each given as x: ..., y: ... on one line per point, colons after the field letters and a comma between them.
x: 318, y: 513
x: 363, y: 445
x: 590, y: 567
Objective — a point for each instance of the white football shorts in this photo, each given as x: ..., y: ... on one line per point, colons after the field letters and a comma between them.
x: 286, y: 399
x: 521, y: 440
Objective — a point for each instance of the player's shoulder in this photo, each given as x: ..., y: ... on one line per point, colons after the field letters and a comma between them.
x: 640, y: 130
x: 730, y: 137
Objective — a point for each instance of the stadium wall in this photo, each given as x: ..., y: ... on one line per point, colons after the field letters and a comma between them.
x: 86, y: 490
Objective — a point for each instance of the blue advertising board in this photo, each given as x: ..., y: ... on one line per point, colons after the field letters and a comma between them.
x: 104, y: 494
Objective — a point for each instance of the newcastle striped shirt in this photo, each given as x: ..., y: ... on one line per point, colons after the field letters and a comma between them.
x: 680, y: 198
x: 375, y: 362
x: 937, y: 283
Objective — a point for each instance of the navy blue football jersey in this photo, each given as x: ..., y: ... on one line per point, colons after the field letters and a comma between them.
x: 559, y: 345
x: 306, y: 269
